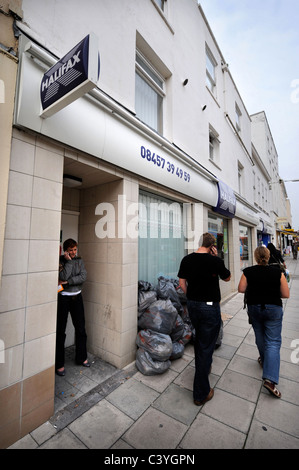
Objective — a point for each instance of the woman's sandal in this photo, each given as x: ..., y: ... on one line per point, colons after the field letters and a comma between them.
x: 270, y: 386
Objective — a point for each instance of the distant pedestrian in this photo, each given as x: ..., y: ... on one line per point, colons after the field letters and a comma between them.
x: 199, y: 279
x: 265, y: 286
x: 275, y: 256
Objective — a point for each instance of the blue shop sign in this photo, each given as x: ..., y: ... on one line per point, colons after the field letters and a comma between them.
x: 226, y: 204
x: 71, y: 77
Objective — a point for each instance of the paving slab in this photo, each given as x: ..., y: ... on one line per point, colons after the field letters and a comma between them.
x: 230, y: 410
x: 240, y: 385
x: 278, y: 414
x: 64, y: 440
x: 177, y: 402
x: 225, y: 351
x: 43, y: 433
x: 208, y: 433
x: 262, y: 436
x: 133, y: 398
x: 289, y: 371
x: 236, y: 330
x: 231, y: 340
x: 157, y: 382
x: 246, y: 366
x: 101, y: 426
x: 26, y: 443
x: 155, y: 430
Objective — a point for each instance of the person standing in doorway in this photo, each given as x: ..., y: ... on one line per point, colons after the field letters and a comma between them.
x: 72, y: 275
x: 199, y: 275
x: 265, y: 286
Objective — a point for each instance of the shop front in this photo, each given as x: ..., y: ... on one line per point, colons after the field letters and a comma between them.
x: 137, y: 172
x: 264, y: 233
x: 138, y: 204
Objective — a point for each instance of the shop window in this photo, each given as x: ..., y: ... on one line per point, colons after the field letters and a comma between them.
x: 245, y: 246
x: 218, y: 227
x: 161, y: 237
x: 149, y: 93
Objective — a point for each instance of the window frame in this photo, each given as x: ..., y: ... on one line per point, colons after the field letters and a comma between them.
x: 161, y: 237
x: 161, y: 4
x: 240, y: 178
x: 150, y: 75
x: 215, y: 144
x: 211, y: 81
x: 238, y: 115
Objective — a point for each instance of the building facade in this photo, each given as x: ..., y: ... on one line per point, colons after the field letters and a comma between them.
x: 159, y: 152
x: 271, y: 194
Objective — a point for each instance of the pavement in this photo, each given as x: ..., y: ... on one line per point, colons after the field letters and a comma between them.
x: 122, y: 410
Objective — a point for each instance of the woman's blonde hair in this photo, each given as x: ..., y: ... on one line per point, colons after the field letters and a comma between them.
x: 262, y: 255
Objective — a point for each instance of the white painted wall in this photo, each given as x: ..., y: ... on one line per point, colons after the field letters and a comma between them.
x: 175, y: 42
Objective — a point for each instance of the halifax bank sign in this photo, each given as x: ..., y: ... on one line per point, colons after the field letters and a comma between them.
x: 71, y: 77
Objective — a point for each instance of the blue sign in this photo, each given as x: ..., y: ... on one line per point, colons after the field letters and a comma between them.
x: 226, y: 204
x: 69, y: 74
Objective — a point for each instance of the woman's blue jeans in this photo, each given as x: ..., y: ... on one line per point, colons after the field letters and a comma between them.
x: 206, y: 319
x: 267, y: 325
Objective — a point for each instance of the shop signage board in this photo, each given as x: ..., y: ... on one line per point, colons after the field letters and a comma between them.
x: 71, y: 77
x: 226, y: 204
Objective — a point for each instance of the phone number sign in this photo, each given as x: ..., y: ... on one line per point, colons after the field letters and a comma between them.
x: 163, y: 164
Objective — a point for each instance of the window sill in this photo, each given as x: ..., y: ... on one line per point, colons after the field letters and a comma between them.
x: 215, y: 164
x: 213, y: 96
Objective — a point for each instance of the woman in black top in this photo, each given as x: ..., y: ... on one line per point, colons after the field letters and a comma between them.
x: 275, y: 256
x: 265, y: 286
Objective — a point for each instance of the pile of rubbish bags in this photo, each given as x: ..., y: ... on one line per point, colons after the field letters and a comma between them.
x: 164, y: 325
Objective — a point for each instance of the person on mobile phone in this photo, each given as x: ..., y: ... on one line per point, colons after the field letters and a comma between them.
x: 199, y: 276
x: 72, y: 275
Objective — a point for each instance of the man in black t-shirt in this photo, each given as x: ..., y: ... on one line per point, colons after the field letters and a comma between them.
x: 199, y: 275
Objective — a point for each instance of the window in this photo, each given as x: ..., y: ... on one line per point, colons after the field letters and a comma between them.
x: 210, y: 70
x: 161, y: 237
x: 218, y: 227
x: 238, y: 118
x: 160, y: 4
x: 259, y: 191
x: 245, y: 246
x: 254, y: 186
x: 213, y: 145
x: 240, y: 177
x: 149, y: 93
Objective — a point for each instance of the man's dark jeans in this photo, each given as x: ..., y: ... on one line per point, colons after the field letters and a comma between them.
x: 206, y: 319
x: 74, y: 306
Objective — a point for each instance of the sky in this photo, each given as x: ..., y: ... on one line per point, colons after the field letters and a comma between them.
x: 259, y: 39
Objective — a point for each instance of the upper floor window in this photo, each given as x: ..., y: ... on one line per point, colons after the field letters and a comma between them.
x: 149, y: 93
x: 210, y: 70
x: 240, y: 178
x: 161, y: 3
x: 213, y: 145
x: 238, y: 118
